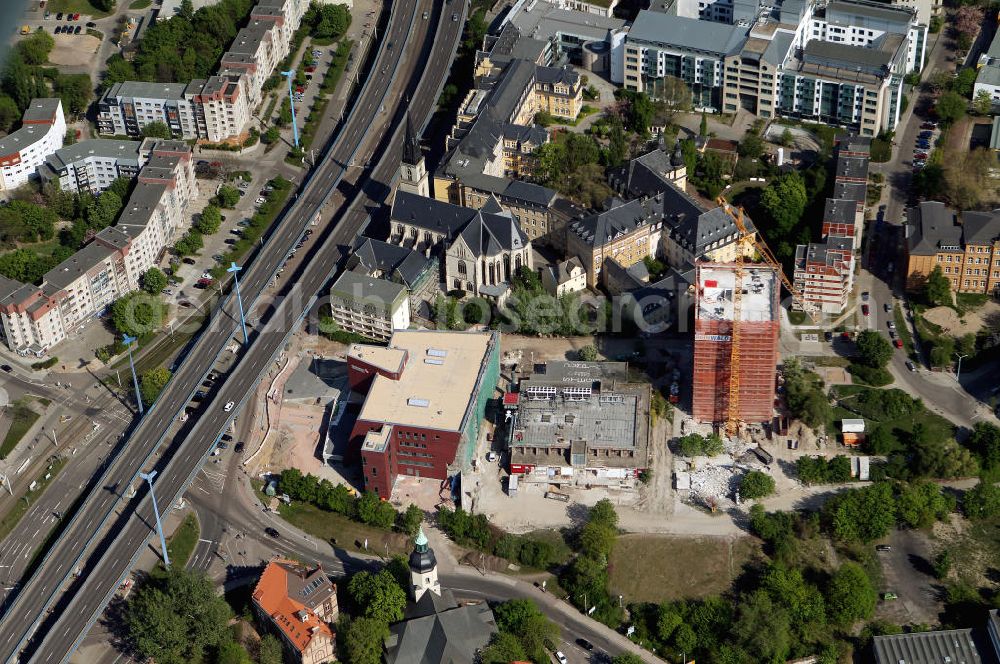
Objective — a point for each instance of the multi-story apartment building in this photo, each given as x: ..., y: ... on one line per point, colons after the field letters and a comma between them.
x: 36, y: 317
x: 92, y: 165
x: 629, y: 233
x: 841, y: 62
x: 965, y: 246
x: 43, y: 128
x: 824, y: 270
x: 369, y: 306
x: 216, y: 109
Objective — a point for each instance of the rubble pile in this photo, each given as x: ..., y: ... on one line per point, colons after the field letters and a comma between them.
x: 714, y: 485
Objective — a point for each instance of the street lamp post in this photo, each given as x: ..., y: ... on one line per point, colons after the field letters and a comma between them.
x: 958, y: 374
x: 159, y: 525
x: 135, y: 379
x: 291, y: 104
x: 233, y: 269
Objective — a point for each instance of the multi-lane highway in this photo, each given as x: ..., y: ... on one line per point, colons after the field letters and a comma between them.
x: 110, y: 530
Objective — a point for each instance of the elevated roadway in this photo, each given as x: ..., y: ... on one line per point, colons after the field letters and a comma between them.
x: 50, y: 614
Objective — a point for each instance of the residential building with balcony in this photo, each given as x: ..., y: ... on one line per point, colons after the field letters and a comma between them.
x: 92, y: 165
x: 372, y: 307
x: 24, y: 150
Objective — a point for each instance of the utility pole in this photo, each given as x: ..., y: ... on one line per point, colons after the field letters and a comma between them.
x: 958, y: 374
x: 159, y: 525
x: 291, y: 104
x: 233, y: 269
x: 135, y: 379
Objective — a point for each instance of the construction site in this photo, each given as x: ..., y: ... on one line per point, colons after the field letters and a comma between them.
x: 735, y: 342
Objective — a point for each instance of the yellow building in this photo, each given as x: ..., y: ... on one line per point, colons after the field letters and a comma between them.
x: 966, y: 247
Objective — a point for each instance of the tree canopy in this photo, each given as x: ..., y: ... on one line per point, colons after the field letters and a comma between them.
x: 378, y: 596
x: 136, y: 314
x: 784, y: 200
x: 174, y: 620
x: 938, y: 287
x: 875, y: 350
x: 363, y: 641
x: 152, y: 383
x: 850, y: 596
x: 950, y: 107
x: 154, y: 281
x: 756, y: 484
x: 156, y: 130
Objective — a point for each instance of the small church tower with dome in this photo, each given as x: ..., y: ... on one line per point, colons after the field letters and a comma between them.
x: 423, y: 568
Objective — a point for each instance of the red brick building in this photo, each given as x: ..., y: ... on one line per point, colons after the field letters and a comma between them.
x: 425, y: 397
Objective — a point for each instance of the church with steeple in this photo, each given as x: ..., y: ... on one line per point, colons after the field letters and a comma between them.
x: 436, y: 629
x: 412, y: 170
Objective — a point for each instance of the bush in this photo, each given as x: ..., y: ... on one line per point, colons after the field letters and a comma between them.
x: 45, y: 364
x: 755, y: 485
x: 874, y: 376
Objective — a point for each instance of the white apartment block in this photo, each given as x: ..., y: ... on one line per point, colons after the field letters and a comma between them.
x: 35, y: 318
x: 369, y: 306
x: 92, y: 165
x: 216, y: 109
x: 43, y: 128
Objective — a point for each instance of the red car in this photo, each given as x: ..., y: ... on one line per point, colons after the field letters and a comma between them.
x: 865, y: 310
x: 300, y: 89
x: 920, y: 155
x: 310, y: 69
x: 205, y: 282
x: 898, y: 343
x: 76, y: 17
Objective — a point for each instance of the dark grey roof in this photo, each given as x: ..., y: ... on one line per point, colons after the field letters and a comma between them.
x: 553, y: 75
x: 953, y: 645
x: 839, y: 211
x: 411, y: 144
x: 353, y: 287
x: 446, y: 636
x: 389, y: 261
x: 869, y: 14
x: 490, y: 234
x: 777, y: 49
x: 528, y: 192
x: 127, y: 151
x: 932, y: 226
x: 981, y: 227
x: 849, y: 166
x: 422, y: 560
x: 833, y: 54
x: 143, y: 90
x: 855, y: 191
x: 41, y: 110
x: 600, y: 228
x: 431, y: 214
x: 645, y: 175
x: 85, y: 259
x: 659, y: 29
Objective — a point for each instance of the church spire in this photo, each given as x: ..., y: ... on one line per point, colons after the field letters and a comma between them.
x: 411, y: 144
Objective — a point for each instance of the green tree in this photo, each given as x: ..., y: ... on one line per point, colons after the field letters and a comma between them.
x: 850, y: 595
x: 603, y: 512
x: 378, y: 596
x: 24, y: 265
x: 703, y: 125
x: 332, y: 21
x: 272, y: 135
x: 363, y: 641
x: 503, y: 648
x: 597, y: 540
x: 938, y: 287
x: 9, y: 113
x: 920, y: 504
x: 875, y: 350
x: 784, y: 200
x: 713, y: 445
x: 374, y: 511
x: 763, y: 628
x: 104, y: 5
x: 862, y: 515
x: 35, y: 48
x: 982, y: 103
x: 104, y: 210
x: 950, y: 107
x: 175, y: 619
x: 227, y: 196
x: 231, y: 652
x: 156, y: 130
x: 154, y: 281
x: 152, y: 383
x: 269, y: 650
x: 985, y: 442
x: 752, y: 146
x: 942, y: 564
x: 588, y: 353
x: 881, y: 441
x: 522, y: 618
x: 756, y: 484
x: 982, y: 501
x: 209, y: 221
x: 31, y: 222
x: 190, y: 244
x: 410, y: 519
x: 964, y: 81
x: 674, y: 96
x: 942, y: 352
x: 136, y: 314
x: 692, y: 444
x: 627, y: 658
x: 75, y: 91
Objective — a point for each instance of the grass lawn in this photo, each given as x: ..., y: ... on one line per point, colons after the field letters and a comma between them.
x: 182, y: 543
x: 140, y: 4
x: 563, y: 553
x: 828, y: 361
x: 656, y: 568
x: 11, y: 519
x: 342, y: 532
x: 976, y: 551
x: 21, y: 419
x: 76, y: 6
x: 966, y: 302
x: 937, y: 427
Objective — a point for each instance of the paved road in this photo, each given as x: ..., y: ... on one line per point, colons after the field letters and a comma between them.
x: 108, y: 561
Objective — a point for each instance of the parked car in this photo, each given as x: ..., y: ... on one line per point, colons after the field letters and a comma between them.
x: 426, y: 16
x: 187, y: 260
x: 454, y: 17
x: 561, y: 657
x: 59, y: 16
x: 585, y: 644
x: 239, y: 447
x: 6, y: 367
x: 828, y: 336
x: 865, y: 309
x: 271, y: 532
x: 898, y: 343
x: 883, y: 547
x: 91, y: 24
x: 229, y: 406
x: 888, y: 597
x: 886, y: 308
x: 205, y: 281
x: 891, y: 325
x: 911, y: 366
x: 223, y: 446
x: 866, y: 296
x: 78, y: 29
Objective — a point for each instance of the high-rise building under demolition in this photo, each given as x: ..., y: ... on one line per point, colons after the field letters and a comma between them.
x: 757, y: 354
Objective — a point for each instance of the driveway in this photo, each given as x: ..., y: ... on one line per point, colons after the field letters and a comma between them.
x: 907, y: 572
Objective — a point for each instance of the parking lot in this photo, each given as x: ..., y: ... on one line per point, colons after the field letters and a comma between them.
x: 926, y: 139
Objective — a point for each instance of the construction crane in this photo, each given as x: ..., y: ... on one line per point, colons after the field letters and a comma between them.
x: 746, y: 241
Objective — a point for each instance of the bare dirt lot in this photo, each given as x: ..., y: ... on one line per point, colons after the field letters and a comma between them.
x: 74, y: 50
x: 677, y: 567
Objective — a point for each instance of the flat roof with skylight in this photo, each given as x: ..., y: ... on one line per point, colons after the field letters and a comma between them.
x: 440, y: 378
